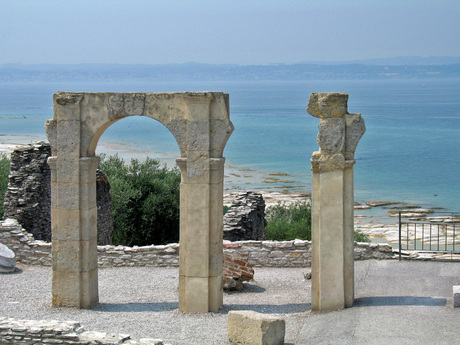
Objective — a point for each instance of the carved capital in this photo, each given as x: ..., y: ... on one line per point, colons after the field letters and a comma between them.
x: 321, y: 163
x: 327, y: 104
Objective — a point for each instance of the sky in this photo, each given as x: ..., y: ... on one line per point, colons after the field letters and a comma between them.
x: 240, y: 32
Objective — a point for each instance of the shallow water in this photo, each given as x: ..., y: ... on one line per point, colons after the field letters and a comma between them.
x: 408, y: 153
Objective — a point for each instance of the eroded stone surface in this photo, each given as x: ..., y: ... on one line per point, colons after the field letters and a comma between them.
x: 332, y: 201
x: 327, y: 104
x: 245, y: 220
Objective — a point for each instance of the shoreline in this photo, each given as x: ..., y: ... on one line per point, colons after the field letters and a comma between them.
x: 275, y: 186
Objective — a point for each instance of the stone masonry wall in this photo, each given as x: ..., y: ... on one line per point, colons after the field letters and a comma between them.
x: 260, y: 253
x: 25, y: 332
x: 28, y: 196
x: 245, y: 220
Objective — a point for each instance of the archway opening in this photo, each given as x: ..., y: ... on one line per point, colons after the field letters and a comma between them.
x: 138, y: 156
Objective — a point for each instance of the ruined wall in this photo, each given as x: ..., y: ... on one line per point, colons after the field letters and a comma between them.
x: 259, y: 253
x: 28, y: 197
x: 14, y: 331
x: 245, y: 220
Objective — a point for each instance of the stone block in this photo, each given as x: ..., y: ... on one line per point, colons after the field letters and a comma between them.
x: 456, y: 292
x: 249, y: 327
x: 7, y: 259
x: 327, y: 104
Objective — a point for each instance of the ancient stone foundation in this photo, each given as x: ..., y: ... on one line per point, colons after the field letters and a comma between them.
x: 295, y: 253
x: 332, y: 201
x: 32, y: 332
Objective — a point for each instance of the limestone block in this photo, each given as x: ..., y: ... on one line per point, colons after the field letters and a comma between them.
x: 7, y: 259
x: 327, y: 104
x: 456, y: 292
x: 355, y: 128
x: 249, y: 327
x: 331, y: 136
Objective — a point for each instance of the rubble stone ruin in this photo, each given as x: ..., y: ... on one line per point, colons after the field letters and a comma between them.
x: 28, y: 196
x: 199, y: 121
x: 245, y: 220
x: 332, y: 201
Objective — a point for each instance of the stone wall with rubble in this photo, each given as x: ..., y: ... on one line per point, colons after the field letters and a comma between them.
x: 260, y: 253
x: 14, y: 331
x: 28, y: 196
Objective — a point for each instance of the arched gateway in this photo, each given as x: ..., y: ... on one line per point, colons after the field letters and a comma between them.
x: 201, y: 126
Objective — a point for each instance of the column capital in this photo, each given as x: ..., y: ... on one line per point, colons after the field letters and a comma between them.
x: 321, y: 163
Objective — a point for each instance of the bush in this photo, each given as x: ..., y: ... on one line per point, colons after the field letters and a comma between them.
x: 361, y: 237
x: 288, y: 221
x: 145, y: 198
x: 4, y: 171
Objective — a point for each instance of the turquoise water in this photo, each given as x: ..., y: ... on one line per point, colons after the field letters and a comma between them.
x: 410, y: 151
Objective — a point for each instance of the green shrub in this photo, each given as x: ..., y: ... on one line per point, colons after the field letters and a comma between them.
x: 145, y: 198
x: 288, y: 221
x: 361, y: 237
x: 4, y: 171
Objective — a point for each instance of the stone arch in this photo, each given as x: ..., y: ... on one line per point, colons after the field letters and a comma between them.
x: 199, y: 121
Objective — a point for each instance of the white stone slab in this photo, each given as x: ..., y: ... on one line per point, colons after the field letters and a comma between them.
x: 7, y: 259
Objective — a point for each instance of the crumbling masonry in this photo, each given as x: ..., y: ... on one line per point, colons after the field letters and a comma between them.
x: 332, y: 201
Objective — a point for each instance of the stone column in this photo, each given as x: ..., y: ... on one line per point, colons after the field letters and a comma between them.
x: 74, y: 236
x: 73, y: 211
x: 332, y: 201
x: 201, y: 217
x: 201, y: 231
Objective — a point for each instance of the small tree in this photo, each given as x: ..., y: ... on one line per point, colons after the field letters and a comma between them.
x: 145, y: 198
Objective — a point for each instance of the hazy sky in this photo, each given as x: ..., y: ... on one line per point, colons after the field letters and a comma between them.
x: 214, y: 31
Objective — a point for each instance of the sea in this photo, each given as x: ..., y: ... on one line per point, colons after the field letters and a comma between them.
x: 410, y: 152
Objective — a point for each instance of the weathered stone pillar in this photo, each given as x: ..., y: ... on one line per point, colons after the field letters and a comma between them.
x: 201, y: 220
x: 200, y: 123
x: 332, y: 201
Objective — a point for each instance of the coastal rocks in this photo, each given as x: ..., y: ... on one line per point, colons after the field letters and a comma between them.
x: 246, y: 218
x: 380, y: 203
x: 7, y: 259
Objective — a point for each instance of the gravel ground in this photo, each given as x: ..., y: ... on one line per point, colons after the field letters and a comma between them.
x: 143, y: 302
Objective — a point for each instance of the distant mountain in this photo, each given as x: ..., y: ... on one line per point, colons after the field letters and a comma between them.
x: 413, y: 60
x: 196, y: 71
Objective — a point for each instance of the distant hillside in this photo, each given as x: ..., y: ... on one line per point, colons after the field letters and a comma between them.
x: 194, y: 71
